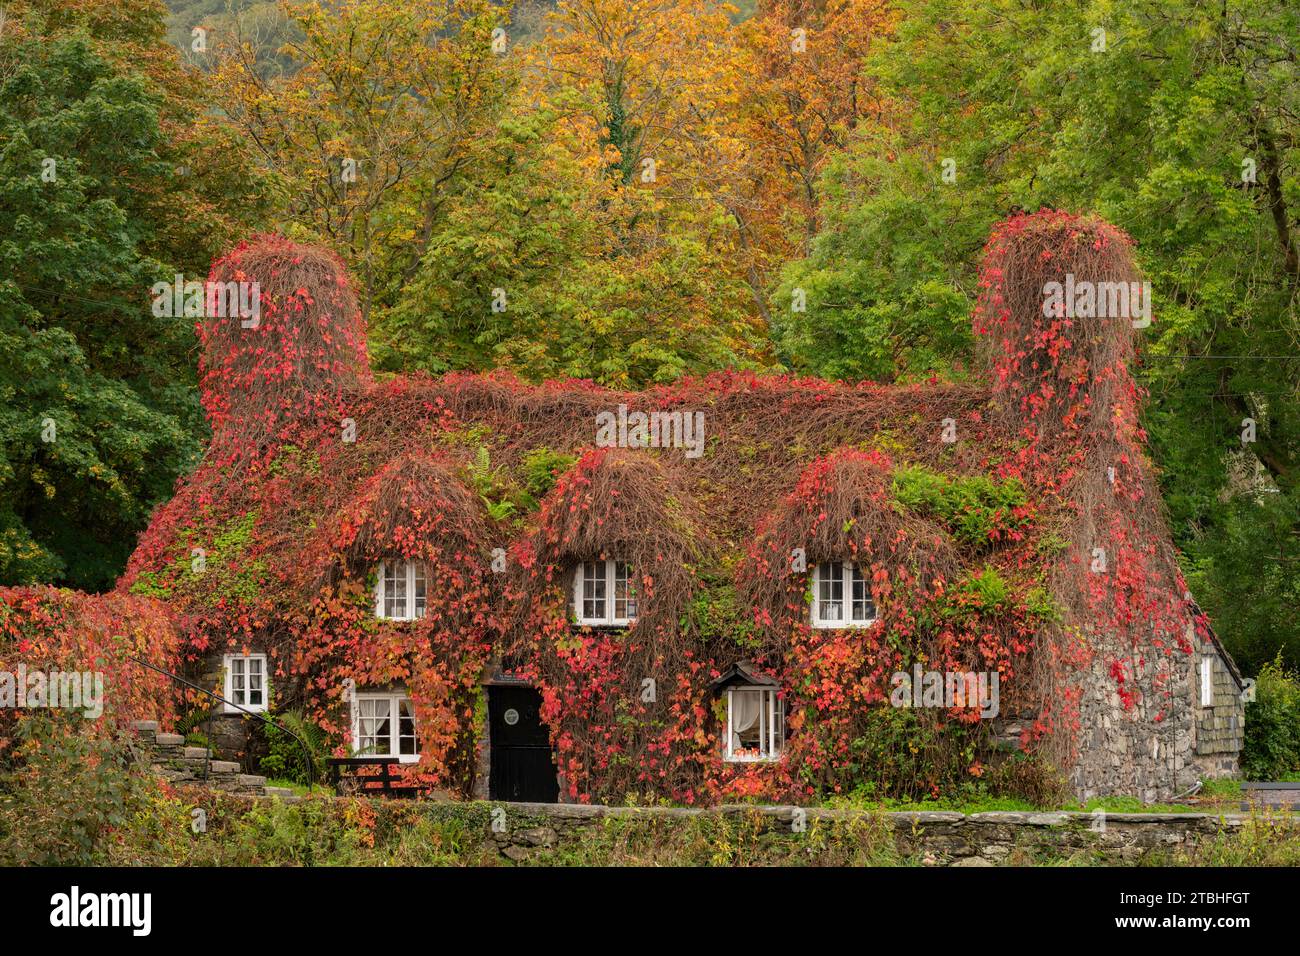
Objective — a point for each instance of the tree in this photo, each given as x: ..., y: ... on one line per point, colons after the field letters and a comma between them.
x: 370, y: 131
x: 591, y: 242
x: 92, y: 421
x: 99, y: 199
x: 1146, y: 114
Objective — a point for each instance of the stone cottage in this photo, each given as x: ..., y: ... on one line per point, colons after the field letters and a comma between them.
x: 735, y: 586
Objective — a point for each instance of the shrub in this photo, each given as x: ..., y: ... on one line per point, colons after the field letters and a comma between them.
x: 1272, y: 748
x: 69, y: 790
x: 540, y: 467
x: 977, y: 510
x: 285, y: 759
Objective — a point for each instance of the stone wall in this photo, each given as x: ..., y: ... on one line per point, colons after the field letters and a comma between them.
x: 1143, y: 749
x: 542, y: 832
x: 177, y: 763
x: 233, y: 736
x: 1161, y: 746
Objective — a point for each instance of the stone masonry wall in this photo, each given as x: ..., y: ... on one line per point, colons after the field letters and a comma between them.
x: 535, y: 832
x: 1144, y: 750
x: 175, y: 762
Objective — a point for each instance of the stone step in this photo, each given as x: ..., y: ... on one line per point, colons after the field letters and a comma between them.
x: 282, y: 792
x: 195, y: 753
x: 145, y: 726
x: 251, y: 780
x: 224, y: 766
x: 170, y: 740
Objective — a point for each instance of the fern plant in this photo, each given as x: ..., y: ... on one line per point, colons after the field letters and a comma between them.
x: 285, y: 758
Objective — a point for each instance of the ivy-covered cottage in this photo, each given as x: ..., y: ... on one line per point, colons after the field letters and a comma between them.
x: 733, y: 586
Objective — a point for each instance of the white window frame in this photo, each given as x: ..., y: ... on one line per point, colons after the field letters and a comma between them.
x: 771, y: 724
x: 229, y: 691
x: 1207, y: 680
x: 845, y: 580
x: 609, y: 569
x: 412, y: 571
x: 394, y: 701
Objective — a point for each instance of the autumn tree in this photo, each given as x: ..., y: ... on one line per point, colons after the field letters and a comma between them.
x: 593, y: 242
x: 807, y: 95
x: 383, y: 111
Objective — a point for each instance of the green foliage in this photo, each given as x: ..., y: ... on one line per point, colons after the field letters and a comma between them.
x: 491, y: 485
x: 987, y: 590
x: 510, y: 494
x: 1246, y: 574
x: 1272, y: 750
x: 1040, y: 604
x: 900, y: 754
x: 719, y: 615
x: 95, y: 418
x: 62, y: 800
x: 973, y: 508
x: 108, y: 184
x: 884, y: 300
x: 1151, y: 133
x: 540, y: 468
x: 583, y: 298
x: 229, y: 572
x: 285, y: 758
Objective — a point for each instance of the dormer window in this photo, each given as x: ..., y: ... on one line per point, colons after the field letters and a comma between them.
x: 604, y: 593
x: 841, y: 597
x: 401, y: 593
x: 755, y: 721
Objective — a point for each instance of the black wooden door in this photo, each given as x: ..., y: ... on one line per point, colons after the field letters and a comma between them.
x: 522, y: 768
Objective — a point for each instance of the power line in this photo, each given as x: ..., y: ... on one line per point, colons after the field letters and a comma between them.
x: 1151, y: 356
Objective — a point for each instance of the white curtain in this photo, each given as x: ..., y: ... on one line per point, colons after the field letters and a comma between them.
x: 745, y: 709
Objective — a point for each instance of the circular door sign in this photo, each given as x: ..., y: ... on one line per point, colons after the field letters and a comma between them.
x: 511, y: 717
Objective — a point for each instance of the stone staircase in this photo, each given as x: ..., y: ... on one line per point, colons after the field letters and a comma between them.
x: 176, y: 763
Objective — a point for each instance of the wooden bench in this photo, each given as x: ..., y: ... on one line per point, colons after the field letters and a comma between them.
x: 345, y: 779
x: 1273, y: 796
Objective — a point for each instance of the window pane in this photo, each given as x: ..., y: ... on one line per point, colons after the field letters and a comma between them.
x: 746, y: 715
x: 830, y: 592
x: 373, y: 734
x: 394, y: 590
x: 238, y: 680
x: 624, y: 592
x: 593, y: 590
x: 421, y: 588
x: 406, y: 728
x: 864, y: 609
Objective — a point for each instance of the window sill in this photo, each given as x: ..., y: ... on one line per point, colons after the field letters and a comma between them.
x: 841, y: 626
x: 229, y: 711
x: 403, y: 758
x: 776, y: 759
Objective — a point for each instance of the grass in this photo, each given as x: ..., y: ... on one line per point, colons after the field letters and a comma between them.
x: 299, y: 789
